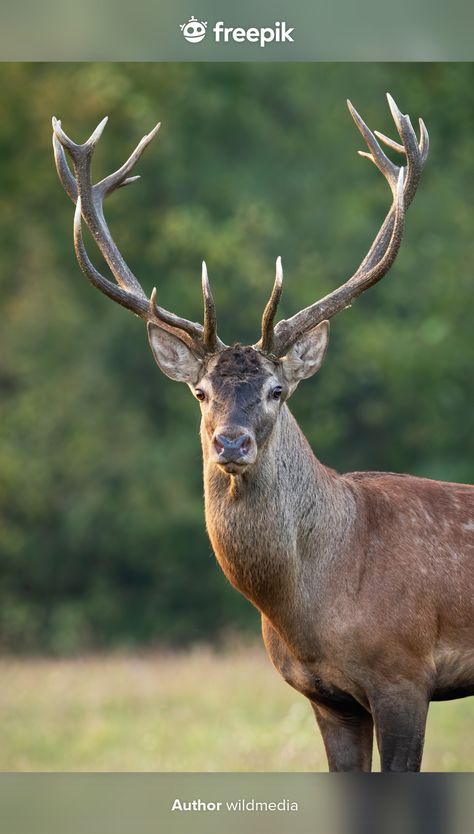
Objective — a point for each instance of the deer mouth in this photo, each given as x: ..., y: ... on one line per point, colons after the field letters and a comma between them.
x: 233, y: 467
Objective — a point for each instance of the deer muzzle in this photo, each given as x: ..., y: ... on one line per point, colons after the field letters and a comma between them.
x: 234, y: 448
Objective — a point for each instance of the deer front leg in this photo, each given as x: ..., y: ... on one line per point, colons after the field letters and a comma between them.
x: 400, y: 722
x: 348, y: 738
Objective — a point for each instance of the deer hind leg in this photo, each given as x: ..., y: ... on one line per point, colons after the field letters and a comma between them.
x: 347, y: 737
x: 400, y: 722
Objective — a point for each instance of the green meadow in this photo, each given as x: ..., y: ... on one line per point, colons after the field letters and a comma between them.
x: 191, y: 711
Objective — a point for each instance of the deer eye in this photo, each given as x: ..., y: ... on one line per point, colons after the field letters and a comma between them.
x: 276, y: 393
x: 200, y: 394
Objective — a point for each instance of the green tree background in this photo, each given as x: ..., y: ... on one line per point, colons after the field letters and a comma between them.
x: 101, y: 520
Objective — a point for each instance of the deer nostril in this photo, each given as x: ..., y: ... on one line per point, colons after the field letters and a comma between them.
x: 218, y: 444
x: 245, y: 445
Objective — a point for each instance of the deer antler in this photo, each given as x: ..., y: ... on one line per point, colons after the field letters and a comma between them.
x: 89, y: 200
x: 403, y: 183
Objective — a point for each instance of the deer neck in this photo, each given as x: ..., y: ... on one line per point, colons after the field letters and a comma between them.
x: 268, y: 523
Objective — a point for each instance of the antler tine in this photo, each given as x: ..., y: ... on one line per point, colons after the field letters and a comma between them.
x: 211, y: 339
x: 424, y: 143
x: 403, y: 183
x: 268, y: 318
x: 120, y: 177
x: 376, y: 155
x: 67, y: 180
x: 89, y: 206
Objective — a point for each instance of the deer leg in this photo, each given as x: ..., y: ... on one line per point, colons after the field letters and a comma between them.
x: 400, y: 722
x: 347, y: 737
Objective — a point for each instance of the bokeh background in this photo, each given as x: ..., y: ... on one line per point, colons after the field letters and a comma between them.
x: 101, y: 519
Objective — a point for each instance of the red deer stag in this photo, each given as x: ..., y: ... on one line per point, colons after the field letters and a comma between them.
x: 365, y: 581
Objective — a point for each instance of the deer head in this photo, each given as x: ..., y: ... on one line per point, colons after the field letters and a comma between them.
x: 241, y: 389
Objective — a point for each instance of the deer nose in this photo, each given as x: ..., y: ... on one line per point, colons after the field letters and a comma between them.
x: 232, y: 448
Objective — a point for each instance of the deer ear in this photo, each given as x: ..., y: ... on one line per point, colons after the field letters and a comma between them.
x: 306, y: 356
x: 173, y: 356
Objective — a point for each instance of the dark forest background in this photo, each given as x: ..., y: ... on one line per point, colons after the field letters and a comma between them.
x: 101, y: 522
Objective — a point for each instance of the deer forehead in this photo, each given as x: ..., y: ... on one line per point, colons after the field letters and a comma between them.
x: 240, y: 367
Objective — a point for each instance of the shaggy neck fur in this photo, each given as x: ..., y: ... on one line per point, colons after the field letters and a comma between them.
x: 274, y: 528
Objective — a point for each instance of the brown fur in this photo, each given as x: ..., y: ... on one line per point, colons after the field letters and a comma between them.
x: 365, y: 582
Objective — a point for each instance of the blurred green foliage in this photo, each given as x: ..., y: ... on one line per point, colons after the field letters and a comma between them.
x: 101, y: 520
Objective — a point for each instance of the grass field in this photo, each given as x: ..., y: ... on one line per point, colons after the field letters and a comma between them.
x: 194, y: 711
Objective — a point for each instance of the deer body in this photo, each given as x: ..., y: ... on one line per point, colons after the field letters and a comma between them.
x: 365, y: 582
x: 360, y: 579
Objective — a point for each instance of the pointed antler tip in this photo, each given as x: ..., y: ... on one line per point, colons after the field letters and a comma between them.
x: 131, y: 180
x: 206, y: 288
x: 151, y: 135
x: 356, y: 117
x: 211, y: 340
x: 394, y: 108
x: 57, y: 127
x: 97, y: 133
x: 279, y: 272
x: 100, y: 126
